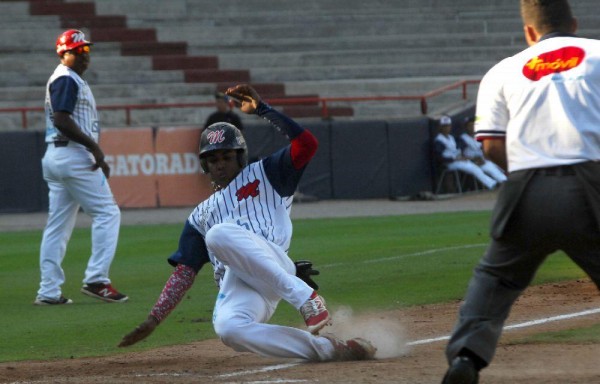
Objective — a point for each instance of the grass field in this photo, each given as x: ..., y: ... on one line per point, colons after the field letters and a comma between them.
x: 367, y: 263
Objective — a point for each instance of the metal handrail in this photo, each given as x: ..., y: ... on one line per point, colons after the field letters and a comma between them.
x: 321, y: 101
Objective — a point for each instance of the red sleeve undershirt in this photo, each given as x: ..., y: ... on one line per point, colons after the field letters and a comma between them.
x: 178, y: 284
x: 304, y: 146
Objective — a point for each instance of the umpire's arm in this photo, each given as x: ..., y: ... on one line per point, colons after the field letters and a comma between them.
x: 495, y: 150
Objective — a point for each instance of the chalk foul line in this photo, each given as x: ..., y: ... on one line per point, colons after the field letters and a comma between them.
x: 526, y: 324
x: 261, y: 370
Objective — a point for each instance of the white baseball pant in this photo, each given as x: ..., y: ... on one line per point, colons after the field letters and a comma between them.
x: 258, y: 275
x: 72, y: 184
x: 494, y: 171
x: 472, y: 169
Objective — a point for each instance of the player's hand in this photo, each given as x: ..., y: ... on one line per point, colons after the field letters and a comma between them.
x: 245, y: 97
x: 140, y: 332
x: 304, y: 271
x: 100, y: 162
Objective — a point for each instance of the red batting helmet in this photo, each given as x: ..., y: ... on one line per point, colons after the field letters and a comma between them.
x: 70, y: 39
x: 222, y: 136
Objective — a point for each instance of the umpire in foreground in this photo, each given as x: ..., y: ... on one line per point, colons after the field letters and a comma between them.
x: 538, y: 115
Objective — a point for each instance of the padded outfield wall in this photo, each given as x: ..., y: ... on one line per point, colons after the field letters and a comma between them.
x: 158, y: 167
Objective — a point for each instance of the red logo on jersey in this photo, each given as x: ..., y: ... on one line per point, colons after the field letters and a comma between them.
x: 250, y: 189
x: 553, y: 62
x: 215, y: 137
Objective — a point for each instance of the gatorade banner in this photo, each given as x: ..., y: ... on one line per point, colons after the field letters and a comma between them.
x: 155, y: 167
x: 180, y: 181
x: 130, y: 154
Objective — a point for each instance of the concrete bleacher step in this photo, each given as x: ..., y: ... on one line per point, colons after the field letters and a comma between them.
x: 58, y: 7
x: 365, y: 56
x: 216, y: 76
x: 300, y: 111
x: 184, y: 62
x: 47, y: 63
x: 326, y: 72
x: 399, y: 86
x: 275, y: 32
x: 93, y: 21
x: 393, y: 19
x: 153, y: 48
x: 196, y: 7
x: 173, y: 90
x: 93, y: 76
x: 328, y: 48
x: 333, y: 43
x: 123, y: 34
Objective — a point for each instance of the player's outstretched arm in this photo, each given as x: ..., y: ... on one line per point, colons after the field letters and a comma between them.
x: 140, y: 332
x: 178, y: 284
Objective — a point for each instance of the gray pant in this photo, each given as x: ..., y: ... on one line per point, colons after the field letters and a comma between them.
x: 553, y: 213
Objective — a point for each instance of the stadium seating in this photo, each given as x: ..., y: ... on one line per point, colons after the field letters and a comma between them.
x: 181, y: 51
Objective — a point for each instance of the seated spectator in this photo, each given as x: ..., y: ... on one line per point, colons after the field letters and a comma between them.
x: 451, y: 157
x: 224, y: 113
x: 471, y: 149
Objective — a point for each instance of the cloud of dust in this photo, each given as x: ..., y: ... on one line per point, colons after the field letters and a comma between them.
x: 388, y: 335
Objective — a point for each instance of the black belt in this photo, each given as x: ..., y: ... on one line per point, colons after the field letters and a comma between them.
x: 562, y: 170
x: 60, y: 143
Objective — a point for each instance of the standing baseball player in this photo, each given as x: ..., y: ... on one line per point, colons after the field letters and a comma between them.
x: 77, y: 174
x: 538, y: 113
x: 244, y: 230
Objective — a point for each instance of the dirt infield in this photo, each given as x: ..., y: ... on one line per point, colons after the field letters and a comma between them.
x: 410, y: 341
x: 211, y: 362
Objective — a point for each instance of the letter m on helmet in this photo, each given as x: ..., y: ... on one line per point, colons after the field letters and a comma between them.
x: 78, y: 37
x: 216, y: 137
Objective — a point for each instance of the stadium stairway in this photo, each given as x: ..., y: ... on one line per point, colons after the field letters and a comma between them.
x: 127, y: 59
x: 181, y: 51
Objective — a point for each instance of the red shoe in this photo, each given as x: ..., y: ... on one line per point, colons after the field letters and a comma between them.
x: 316, y: 316
x: 353, y: 349
x: 104, y: 292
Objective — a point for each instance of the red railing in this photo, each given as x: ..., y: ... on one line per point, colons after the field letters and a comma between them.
x: 322, y: 101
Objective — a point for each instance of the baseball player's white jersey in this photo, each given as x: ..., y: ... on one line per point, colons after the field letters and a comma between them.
x: 472, y: 150
x: 67, y: 168
x: 251, y: 202
x: 546, y: 77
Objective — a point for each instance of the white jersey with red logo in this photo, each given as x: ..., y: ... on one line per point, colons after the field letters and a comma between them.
x: 250, y: 201
x: 545, y: 102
